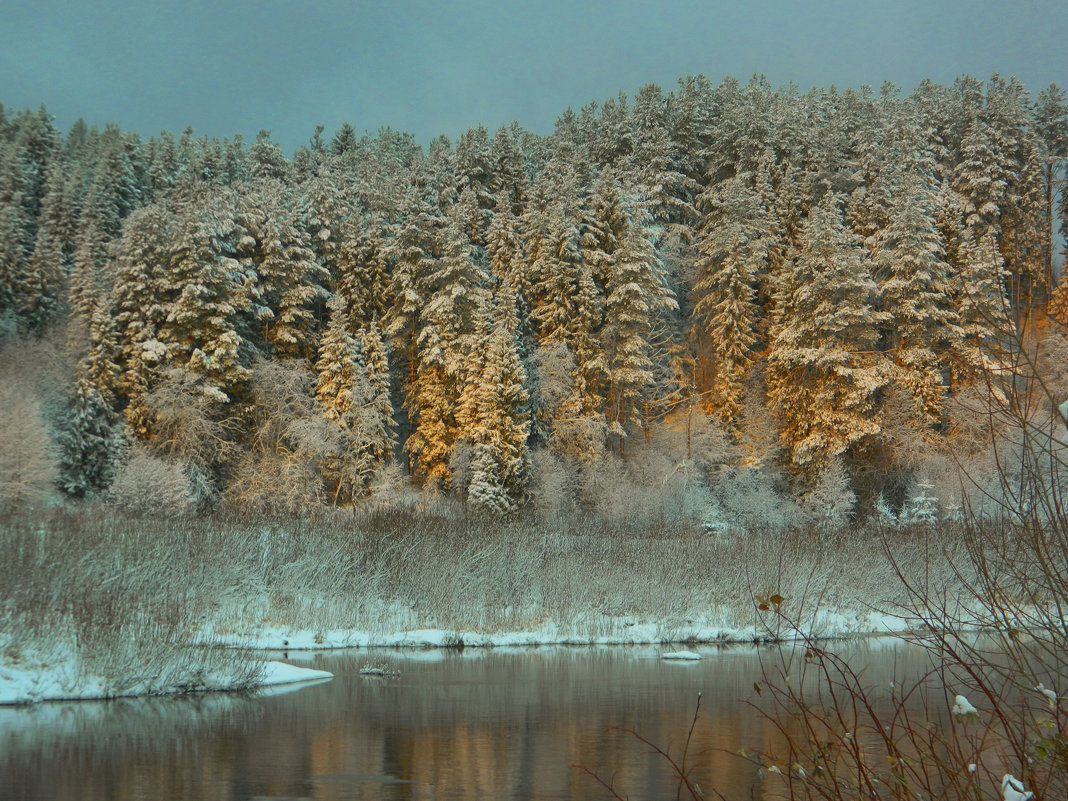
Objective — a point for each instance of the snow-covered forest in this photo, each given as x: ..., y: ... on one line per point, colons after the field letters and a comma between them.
x: 796, y: 304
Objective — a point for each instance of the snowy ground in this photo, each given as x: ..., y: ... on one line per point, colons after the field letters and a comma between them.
x: 605, y: 631
x: 29, y: 678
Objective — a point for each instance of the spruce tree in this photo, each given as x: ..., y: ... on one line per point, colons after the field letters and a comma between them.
x: 501, y: 461
x: 636, y: 293
x: 823, y: 373
x: 923, y: 328
x: 90, y: 443
x: 732, y: 248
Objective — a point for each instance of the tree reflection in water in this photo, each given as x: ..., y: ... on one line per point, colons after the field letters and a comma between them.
x: 476, y: 724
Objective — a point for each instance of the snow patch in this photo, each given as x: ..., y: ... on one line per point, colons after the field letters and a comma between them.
x: 681, y: 656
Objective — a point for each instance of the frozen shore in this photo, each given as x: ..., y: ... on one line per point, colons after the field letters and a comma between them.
x: 605, y: 631
x: 31, y: 678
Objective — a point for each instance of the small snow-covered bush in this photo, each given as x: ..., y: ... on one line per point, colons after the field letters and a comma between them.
x: 551, y: 486
x: 921, y: 508
x: 755, y: 498
x: 830, y: 503
x: 147, y: 484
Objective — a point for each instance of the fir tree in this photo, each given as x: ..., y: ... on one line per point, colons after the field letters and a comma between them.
x: 90, y: 443
x: 732, y: 254
x: 501, y: 461
x: 1051, y: 122
x: 635, y: 293
x: 275, y: 248
x: 982, y: 307
x: 823, y: 373
x: 923, y: 327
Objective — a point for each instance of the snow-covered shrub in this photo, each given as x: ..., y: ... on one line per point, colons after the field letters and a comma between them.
x: 921, y: 508
x: 147, y: 484
x: 188, y: 424
x: 551, y: 486
x: 755, y: 498
x: 830, y: 503
x: 28, y: 465
x: 884, y: 515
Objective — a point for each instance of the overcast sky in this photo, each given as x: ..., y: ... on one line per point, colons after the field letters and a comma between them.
x: 443, y: 66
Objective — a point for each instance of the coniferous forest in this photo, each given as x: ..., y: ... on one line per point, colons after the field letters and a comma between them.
x: 798, y: 306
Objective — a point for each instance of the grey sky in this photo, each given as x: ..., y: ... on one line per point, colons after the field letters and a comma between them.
x: 443, y: 66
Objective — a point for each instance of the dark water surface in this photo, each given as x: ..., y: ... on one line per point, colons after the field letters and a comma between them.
x: 481, y: 724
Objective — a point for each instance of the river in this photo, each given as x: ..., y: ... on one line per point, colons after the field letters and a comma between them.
x: 476, y: 724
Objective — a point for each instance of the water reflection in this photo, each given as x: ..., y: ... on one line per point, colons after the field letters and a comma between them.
x: 472, y: 725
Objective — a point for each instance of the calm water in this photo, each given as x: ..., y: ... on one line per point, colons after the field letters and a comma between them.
x: 482, y: 724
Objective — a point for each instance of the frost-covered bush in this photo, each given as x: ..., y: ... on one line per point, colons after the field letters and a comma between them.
x: 552, y: 485
x: 27, y: 463
x: 146, y: 484
x: 755, y: 498
x: 830, y: 503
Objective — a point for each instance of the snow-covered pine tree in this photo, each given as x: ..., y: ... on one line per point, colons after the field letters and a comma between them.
x: 14, y: 226
x: 504, y: 249
x: 375, y: 419
x: 353, y: 390
x: 498, y: 424
x: 732, y: 245
x: 923, y: 328
x: 266, y: 160
x: 474, y: 171
x: 135, y: 305
x: 636, y: 294
x: 41, y: 286
x: 823, y: 373
x: 1018, y: 153
x: 414, y: 253
x: 982, y: 307
x: 339, y: 387
x: 91, y: 442
x: 509, y: 171
x: 656, y: 175
x: 337, y: 365
x: 447, y: 350
x: 275, y: 248
x: 1051, y: 128
x: 324, y: 213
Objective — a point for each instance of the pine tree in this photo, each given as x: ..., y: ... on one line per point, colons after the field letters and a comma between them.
x: 14, y: 227
x: 40, y: 287
x: 90, y: 443
x: 266, y: 159
x: 414, y: 253
x: 732, y: 248
x: 982, y: 307
x: 509, y: 171
x: 822, y: 373
x: 375, y: 421
x: 276, y: 249
x: 923, y: 326
x: 635, y: 293
x: 657, y: 178
x: 1051, y: 123
x: 344, y: 141
x: 337, y: 365
x: 362, y: 274
x: 340, y: 388
x: 447, y: 351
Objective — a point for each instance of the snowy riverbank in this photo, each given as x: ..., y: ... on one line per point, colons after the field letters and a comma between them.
x: 603, y: 631
x: 31, y: 678
x: 59, y: 675
x: 110, y: 606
